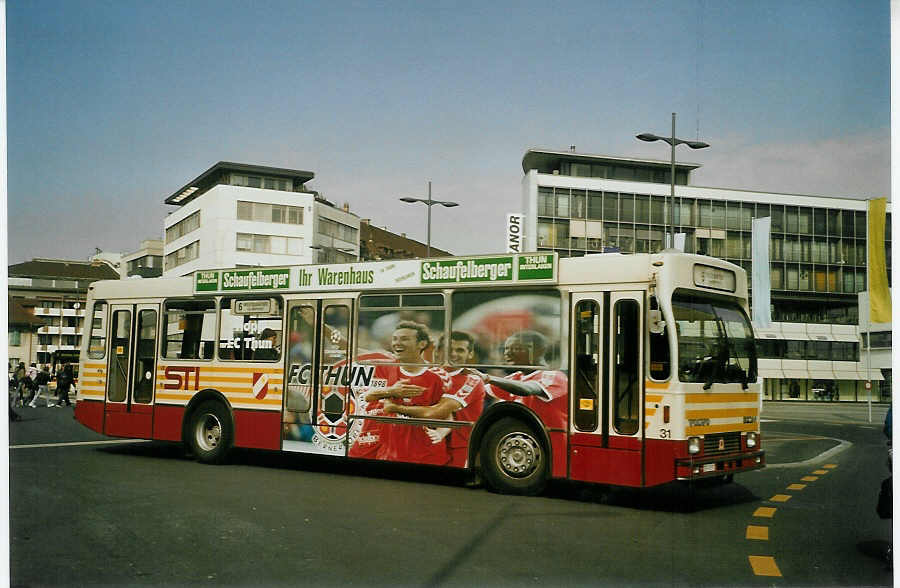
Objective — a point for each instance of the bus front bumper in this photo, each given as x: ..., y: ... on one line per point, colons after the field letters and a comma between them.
x: 696, y: 468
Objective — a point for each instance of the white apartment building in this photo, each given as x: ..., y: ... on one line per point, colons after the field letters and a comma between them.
x: 240, y: 215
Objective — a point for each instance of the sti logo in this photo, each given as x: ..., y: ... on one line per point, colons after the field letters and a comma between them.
x: 179, y: 378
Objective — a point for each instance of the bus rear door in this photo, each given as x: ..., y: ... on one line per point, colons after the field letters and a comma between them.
x: 131, y: 369
x: 606, y: 443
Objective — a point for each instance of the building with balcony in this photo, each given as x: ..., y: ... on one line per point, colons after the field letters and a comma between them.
x: 241, y: 215
x: 51, y: 294
x: 577, y: 204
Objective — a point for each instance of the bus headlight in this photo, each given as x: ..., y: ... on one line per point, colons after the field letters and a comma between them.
x: 751, y: 440
x: 694, y: 445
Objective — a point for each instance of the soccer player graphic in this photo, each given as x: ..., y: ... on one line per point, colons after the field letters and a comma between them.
x: 543, y: 391
x: 464, y: 401
x: 409, y: 384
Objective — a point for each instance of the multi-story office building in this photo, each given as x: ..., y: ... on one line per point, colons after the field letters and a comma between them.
x: 577, y: 204
x: 53, y: 292
x: 236, y: 215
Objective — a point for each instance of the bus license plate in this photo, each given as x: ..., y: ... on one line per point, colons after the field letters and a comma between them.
x: 709, y: 467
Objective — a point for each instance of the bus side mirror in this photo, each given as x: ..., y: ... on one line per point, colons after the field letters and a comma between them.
x: 656, y: 322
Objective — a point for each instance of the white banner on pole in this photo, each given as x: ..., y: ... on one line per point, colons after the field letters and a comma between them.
x: 761, y: 281
x: 515, y: 232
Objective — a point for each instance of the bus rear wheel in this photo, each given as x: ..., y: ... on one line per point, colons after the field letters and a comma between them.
x: 513, y: 458
x: 210, y: 433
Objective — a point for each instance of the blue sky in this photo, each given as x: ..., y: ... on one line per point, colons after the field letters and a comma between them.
x: 113, y: 105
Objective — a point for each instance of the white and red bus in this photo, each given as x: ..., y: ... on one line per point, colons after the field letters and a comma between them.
x: 631, y: 370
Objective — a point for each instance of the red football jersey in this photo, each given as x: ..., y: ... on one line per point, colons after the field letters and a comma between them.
x: 410, y: 443
x: 367, y: 442
x: 469, y: 391
x: 552, y: 405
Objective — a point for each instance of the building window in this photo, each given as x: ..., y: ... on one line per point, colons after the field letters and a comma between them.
x: 183, y: 227
x: 269, y: 244
x: 183, y: 255
x: 15, y: 338
x: 258, y: 182
x: 269, y: 213
x: 331, y: 228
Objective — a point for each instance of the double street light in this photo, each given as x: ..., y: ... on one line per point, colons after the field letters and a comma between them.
x: 429, y: 203
x: 673, y: 141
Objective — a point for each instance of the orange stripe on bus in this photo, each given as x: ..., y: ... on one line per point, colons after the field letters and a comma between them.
x: 656, y: 385
x: 720, y: 397
x: 721, y: 413
x: 651, y: 411
x: 654, y: 397
x: 223, y: 368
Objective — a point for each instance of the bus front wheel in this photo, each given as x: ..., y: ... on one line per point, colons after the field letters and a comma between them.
x: 514, y: 459
x: 210, y: 432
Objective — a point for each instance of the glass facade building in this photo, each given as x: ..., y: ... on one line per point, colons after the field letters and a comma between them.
x: 577, y: 204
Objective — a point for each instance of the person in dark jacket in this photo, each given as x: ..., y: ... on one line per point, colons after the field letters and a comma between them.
x: 64, y: 382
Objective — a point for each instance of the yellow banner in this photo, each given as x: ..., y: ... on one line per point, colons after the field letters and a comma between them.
x: 879, y: 294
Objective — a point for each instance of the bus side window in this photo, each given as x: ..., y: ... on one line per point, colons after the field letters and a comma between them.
x: 627, y: 369
x: 660, y: 358
x: 250, y: 334
x: 97, y: 322
x: 189, y: 329
x: 587, y: 354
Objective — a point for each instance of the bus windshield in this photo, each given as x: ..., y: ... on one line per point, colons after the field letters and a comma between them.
x: 715, y: 341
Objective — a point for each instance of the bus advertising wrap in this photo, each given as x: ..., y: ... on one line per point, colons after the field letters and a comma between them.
x: 505, y: 269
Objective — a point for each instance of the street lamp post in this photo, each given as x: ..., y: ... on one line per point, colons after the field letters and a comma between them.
x: 429, y: 203
x: 673, y: 141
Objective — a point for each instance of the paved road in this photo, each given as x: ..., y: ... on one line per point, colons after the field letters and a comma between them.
x: 144, y: 514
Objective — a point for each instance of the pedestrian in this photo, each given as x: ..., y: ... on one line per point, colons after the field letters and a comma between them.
x: 30, y: 377
x: 42, y: 380
x: 19, y: 379
x: 63, y: 384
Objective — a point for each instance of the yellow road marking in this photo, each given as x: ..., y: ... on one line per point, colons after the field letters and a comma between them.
x: 830, y: 466
x: 820, y: 472
x: 766, y: 512
x: 809, y: 478
x: 757, y: 533
x: 764, y: 565
x: 780, y: 498
x: 796, y: 487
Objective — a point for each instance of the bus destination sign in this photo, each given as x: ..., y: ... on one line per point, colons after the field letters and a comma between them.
x: 401, y: 273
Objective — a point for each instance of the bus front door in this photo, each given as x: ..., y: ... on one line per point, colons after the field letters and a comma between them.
x: 131, y: 369
x: 317, y: 376
x: 606, y: 388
